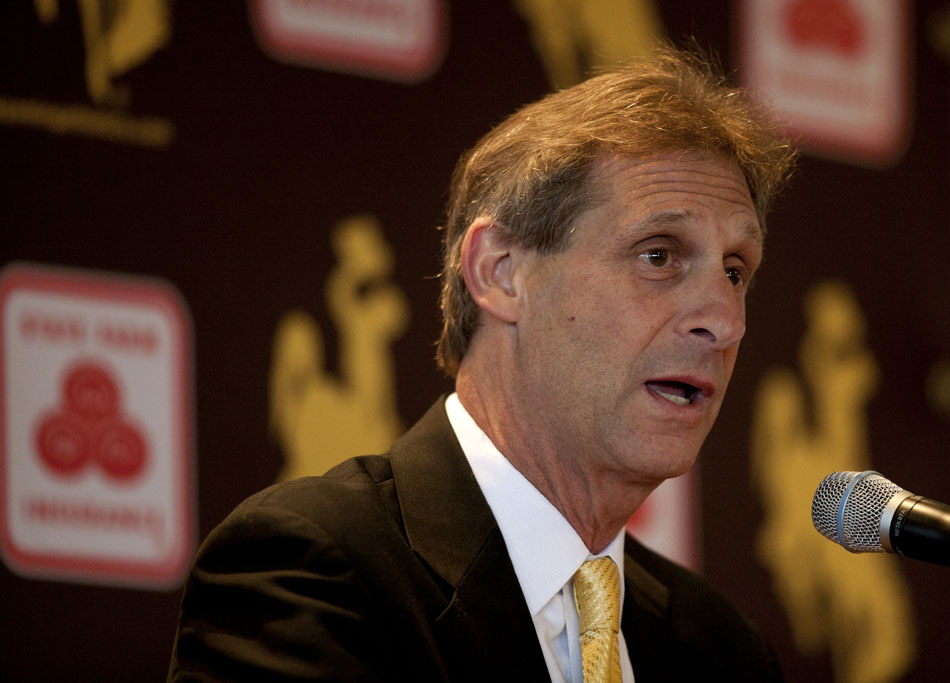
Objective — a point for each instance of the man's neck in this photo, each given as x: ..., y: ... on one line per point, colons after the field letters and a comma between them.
x: 597, y: 504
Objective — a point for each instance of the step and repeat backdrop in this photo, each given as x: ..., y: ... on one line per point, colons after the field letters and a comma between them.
x: 219, y: 252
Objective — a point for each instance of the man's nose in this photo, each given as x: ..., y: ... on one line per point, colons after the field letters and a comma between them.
x: 714, y: 311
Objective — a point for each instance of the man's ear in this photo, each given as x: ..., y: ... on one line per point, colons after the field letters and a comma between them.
x: 489, y: 266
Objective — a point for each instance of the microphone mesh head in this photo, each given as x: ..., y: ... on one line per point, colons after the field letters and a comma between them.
x: 860, y: 514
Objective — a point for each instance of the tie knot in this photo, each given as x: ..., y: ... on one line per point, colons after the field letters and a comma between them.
x: 597, y: 595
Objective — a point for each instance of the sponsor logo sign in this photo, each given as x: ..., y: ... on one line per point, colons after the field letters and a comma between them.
x: 96, y: 443
x: 100, y: 43
x: 837, y: 72
x: 399, y: 40
x: 667, y: 521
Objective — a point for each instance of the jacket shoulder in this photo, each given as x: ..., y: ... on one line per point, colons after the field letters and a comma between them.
x: 701, y: 622
x: 367, y: 477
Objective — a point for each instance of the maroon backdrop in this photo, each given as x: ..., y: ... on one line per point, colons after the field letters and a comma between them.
x: 267, y: 157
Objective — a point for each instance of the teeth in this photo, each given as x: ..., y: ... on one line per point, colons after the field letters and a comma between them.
x: 678, y: 400
x: 676, y: 394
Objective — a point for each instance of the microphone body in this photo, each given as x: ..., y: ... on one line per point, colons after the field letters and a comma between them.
x: 920, y: 529
x: 864, y: 512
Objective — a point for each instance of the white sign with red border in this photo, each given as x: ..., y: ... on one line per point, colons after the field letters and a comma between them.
x: 399, y: 40
x: 667, y: 521
x: 836, y: 71
x: 96, y: 450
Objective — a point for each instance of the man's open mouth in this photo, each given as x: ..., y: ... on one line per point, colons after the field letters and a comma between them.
x: 679, y: 393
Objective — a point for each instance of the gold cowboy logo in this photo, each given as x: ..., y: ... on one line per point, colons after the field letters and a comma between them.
x: 805, y: 426
x: 321, y: 419
x: 572, y: 37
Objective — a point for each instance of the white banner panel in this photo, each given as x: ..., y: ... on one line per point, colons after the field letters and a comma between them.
x: 96, y: 454
x: 837, y: 72
x: 399, y: 40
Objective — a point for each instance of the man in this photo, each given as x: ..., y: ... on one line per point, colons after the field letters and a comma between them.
x: 598, y: 249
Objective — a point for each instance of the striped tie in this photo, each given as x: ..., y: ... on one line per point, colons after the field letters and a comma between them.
x: 597, y: 596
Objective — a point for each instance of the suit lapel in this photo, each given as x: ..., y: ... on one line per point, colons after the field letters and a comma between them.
x: 646, y: 621
x: 486, y: 626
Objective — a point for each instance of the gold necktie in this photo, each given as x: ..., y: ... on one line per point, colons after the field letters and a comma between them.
x: 597, y: 596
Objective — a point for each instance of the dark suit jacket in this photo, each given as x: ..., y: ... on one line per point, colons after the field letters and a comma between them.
x: 393, y: 567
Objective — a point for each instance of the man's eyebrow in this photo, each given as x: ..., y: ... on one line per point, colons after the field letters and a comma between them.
x: 754, y: 232
x: 663, y: 219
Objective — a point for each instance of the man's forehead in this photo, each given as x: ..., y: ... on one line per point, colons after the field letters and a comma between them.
x: 660, y: 189
x: 717, y: 169
x: 683, y: 171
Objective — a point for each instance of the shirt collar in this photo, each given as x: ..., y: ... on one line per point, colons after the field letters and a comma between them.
x: 544, y: 548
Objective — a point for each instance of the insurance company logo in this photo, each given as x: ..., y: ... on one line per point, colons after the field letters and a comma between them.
x: 668, y: 521
x: 87, y: 428
x: 96, y: 442
x: 401, y: 40
x: 836, y: 72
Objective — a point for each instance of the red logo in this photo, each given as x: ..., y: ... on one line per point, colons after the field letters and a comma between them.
x: 89, y: 428
x: 828, y: 24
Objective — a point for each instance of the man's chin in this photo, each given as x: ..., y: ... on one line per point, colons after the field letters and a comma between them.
x: 670, y: 465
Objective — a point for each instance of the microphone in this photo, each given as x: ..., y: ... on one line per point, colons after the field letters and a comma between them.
x: 866, y: 513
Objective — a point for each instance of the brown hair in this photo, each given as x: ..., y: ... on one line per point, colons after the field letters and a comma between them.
x: 529, y: 175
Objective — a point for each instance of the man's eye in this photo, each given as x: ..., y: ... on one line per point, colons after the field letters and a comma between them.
x: 735, y: 276
x: 656, y: 257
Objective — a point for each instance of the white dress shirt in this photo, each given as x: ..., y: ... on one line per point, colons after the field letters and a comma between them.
x: 543, y: 546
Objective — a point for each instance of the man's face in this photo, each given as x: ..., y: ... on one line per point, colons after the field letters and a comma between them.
x: 629, y: 337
